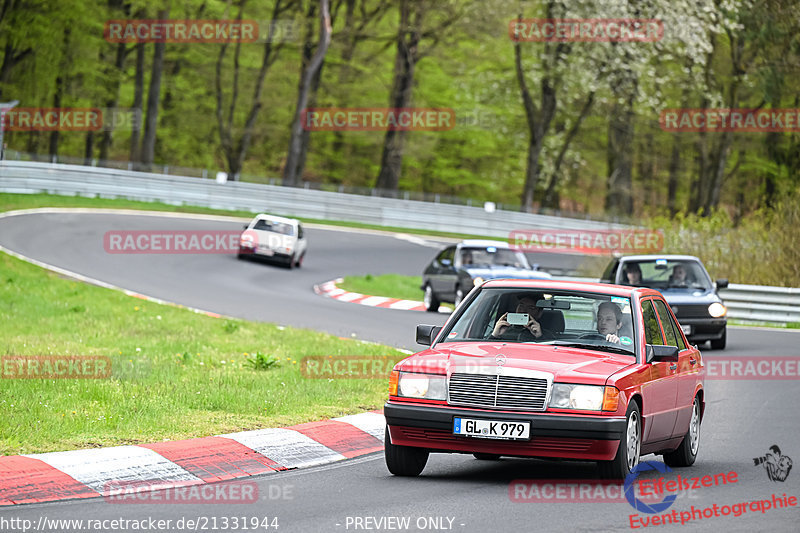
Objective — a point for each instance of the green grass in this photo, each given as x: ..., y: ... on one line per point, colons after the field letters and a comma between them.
x: 389, y: 285
x: 175, y: 373
x: 10, y: 202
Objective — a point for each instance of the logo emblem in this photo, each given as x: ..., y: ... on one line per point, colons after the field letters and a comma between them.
x: 776, y: 464
x: 500, y: 360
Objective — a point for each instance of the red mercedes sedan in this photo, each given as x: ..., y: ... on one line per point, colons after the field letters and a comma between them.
x: 558, y: 369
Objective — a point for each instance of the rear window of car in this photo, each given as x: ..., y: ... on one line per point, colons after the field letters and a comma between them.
x: 275, y: 227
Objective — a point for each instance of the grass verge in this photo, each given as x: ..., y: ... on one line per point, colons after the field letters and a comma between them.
x: 388, y: 285
x: 175, y: 374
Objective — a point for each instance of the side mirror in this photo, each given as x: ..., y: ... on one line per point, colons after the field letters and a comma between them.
x: 655, y: 353
x: 722, y: 283
x: 446, y: 262
x: 426, y: 334
x: 246, y: 226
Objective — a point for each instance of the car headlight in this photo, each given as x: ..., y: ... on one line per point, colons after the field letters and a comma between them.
x: 428, y: 386
x: 477, y: 281
x: 717, y: 310
x: 586, y: 397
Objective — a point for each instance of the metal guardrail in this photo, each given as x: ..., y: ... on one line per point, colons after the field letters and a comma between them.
x: 32, y: 177
x: 752, y: 303
x: 776, y: 305
x: 758, y: 303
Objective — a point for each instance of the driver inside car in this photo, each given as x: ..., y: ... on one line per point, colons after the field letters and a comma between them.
x: 532, y: 331
x: 609, y: 321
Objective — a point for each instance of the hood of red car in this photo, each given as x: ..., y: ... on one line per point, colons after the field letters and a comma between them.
x: 569, y: 365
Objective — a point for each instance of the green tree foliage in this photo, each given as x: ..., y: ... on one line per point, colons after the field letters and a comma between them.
x: 213, y: 106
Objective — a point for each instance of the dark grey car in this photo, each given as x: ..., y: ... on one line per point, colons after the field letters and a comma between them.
x: 458, y: 268
x: 687, y: 287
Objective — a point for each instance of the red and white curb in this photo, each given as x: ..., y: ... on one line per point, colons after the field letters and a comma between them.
x: 95, y: 472
x: 330, y: 290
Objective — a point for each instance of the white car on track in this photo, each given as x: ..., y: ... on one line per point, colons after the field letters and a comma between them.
x: 274, y: 238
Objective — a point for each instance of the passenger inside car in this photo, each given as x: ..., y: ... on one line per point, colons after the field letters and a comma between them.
x: 679, y: 277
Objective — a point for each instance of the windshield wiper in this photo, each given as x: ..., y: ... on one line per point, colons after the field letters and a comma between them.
x: 587, y: 346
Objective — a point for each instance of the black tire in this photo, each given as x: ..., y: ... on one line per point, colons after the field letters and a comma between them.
x: 403, y: 460
x: 486, y: 456
x: 290, y: 263
x: 625, y: 460
x: 719, y: 344
x: 430, y: 301
x: 299, y: 262
x: 686, y: 453
x: 459, y: 296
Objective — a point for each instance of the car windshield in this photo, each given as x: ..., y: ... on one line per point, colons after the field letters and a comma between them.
x: 670, y: 274
x: 493, y: 256
x: 275, y: 227
x: 585, y: 320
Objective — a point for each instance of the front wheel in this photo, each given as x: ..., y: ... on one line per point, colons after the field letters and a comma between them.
x: 430, y: 301
x: 403, y: 460
x: 686, y: 453
x: 719, y: 344
x: 629, y: 447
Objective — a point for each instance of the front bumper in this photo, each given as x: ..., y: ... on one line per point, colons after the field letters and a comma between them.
x: 591, y: 438
x: 704, y: 329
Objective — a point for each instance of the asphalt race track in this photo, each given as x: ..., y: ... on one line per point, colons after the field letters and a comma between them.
x: 455, y: 493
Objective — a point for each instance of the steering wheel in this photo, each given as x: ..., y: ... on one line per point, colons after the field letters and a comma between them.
x: 593, y: 336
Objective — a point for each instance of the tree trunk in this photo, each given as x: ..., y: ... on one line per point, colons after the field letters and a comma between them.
x: 138, y: 93
x: 408, y: 37
x: 153, y: 97
x: 551, y: 196
x: 619, y: 199
x: 309, y: 83
x: 89, y: 149
x: 115, y: 80
x: 55, y: 134
x: 235, y: 152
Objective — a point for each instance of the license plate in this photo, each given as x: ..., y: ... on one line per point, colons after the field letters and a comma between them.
x: 687, y: 330
x: 491, y: 429
x: 266, y: 251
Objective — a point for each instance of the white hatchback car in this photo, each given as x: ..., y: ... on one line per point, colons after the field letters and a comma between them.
x: 275, y: 238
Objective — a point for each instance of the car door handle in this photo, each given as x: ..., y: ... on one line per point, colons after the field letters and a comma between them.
x: 673, y: 367
x: 693, y: 361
